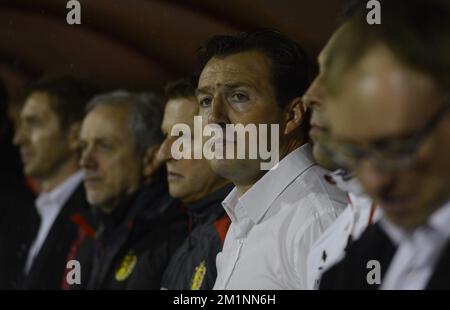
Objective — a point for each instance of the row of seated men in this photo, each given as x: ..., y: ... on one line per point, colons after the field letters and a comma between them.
x: 358, y: 198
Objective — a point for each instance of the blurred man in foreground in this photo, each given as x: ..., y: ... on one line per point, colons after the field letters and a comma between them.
x: 389, y: 115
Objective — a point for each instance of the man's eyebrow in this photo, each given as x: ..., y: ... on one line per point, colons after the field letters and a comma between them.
x: 228, y: 86
x: 30, y: 118
x: 237, y: 85
x: 203, y: 90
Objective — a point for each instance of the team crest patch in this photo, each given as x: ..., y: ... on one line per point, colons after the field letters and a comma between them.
x: 198, y: 277
x: 126, y: 267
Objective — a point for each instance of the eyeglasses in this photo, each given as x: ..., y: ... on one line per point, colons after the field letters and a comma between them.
x: 392, y: 154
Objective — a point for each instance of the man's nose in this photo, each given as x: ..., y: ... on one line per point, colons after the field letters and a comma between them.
x: 314, y: 95
x: 19, y: 136
x: 87, y: 159
x: 165, y: 150
x: 218, y: 114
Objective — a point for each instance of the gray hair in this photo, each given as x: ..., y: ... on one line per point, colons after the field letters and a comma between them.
x: 145, y: 116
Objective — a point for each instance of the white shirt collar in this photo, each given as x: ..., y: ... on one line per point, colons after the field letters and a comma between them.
x: 346, y: 182
x: 438, y: 221
x: 59, y: 195
x: 48, y: 206
x: 263, y: 193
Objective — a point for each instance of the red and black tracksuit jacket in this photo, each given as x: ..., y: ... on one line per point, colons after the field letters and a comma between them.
x: 193, y: 266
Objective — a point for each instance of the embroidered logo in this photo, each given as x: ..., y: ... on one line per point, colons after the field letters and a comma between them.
x: 126, y: 267
x: 198, y: 277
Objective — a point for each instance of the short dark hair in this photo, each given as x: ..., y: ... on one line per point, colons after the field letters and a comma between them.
x: 350, y: 8
x: 290, y: 66
x: 69, y: 95
x: 416, y: 31
x: 182, y: 88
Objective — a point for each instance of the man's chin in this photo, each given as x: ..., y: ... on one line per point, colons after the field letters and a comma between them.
x: 322, y: 158
x: 96, y: 201
x: 31, y: 171
x: 176, y: 191
x: 403, y: 216
x: 226, y: 168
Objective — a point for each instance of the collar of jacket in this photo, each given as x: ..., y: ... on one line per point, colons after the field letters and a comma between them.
x: 209, y: 208
x: 143, y: 205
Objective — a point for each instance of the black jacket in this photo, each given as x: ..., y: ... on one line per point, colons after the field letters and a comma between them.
x: 131, y: 246
x: 18, y: 217
x: 374, y: 244
x: 49, y: 265
x: 18, y: 225
x: 193, y: 266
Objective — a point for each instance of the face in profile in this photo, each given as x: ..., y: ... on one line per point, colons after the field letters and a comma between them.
x: 189, y: 179
x: 113, y: 168
x: 316, y: 99
x: 380, y: 103
x: 45, y: 145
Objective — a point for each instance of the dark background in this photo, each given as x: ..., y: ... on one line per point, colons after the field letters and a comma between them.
x: 140, y: 44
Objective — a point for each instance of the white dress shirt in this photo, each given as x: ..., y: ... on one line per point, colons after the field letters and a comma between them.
x: 48, y: 206
x: 418, y: 251
x: 330, y: 248
x: 275, y: 223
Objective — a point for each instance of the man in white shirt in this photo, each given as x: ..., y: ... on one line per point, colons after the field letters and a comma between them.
x: 48, y: 140
x: 259, y: 78
x: 389, y: 112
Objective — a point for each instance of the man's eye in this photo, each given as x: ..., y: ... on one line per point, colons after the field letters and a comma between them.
x: 239, y: 97
x: 33, y: 123
x: 83, y: 146
x: 315, y: 106
x: 205, y: 102
x: 105, y: 146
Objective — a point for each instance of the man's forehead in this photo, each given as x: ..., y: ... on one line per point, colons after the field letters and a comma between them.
x: 38, y: 103
x: 247, y: 67
x: 382, y: 98
x: 180, y: 110
x: 106, y: 120
x: 362, y: 123
x: 325, y: 55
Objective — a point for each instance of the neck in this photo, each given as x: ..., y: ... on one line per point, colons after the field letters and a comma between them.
x: 208, y: 190
x: 218, y: 185
x: 287, y: 148
x: 242, y: 189
x: 67, y: 169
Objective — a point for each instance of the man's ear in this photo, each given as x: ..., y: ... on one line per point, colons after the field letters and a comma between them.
x: 74, y: 136
x: 151, y: 162
x: 295, y: 115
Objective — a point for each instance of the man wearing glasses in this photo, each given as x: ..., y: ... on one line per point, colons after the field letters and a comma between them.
x: 390, y: 122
